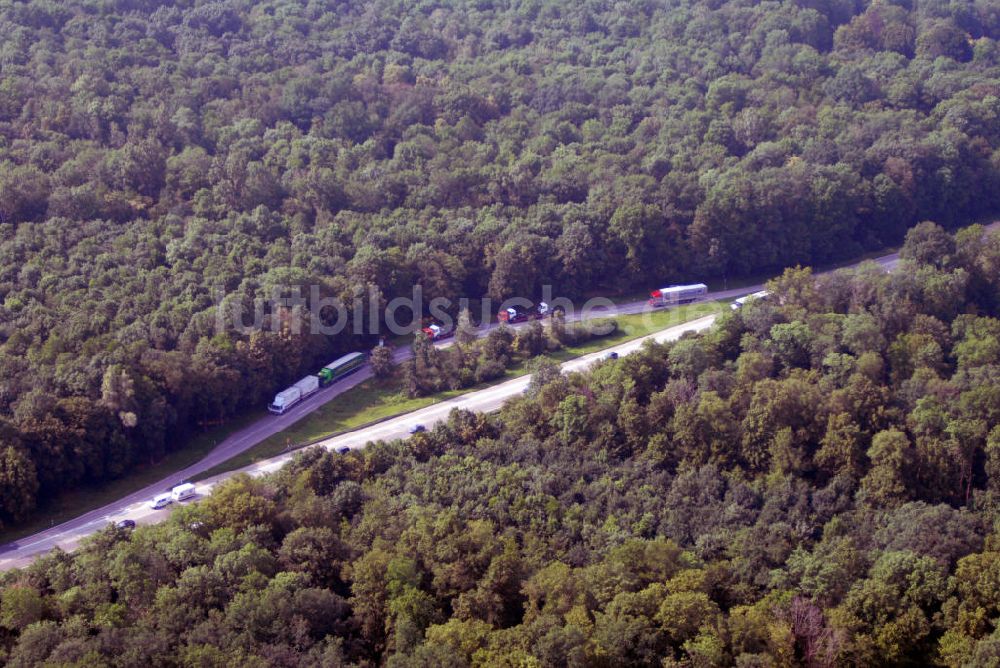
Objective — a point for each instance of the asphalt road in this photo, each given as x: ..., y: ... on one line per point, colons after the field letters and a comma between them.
x: 133, y: 506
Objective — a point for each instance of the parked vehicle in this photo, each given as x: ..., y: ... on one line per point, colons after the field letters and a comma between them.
x: 437, y: 332
x: 677, y: 294
x: 289, y: 397
x: 161, y: 501
x: 340, y: 367
x: 738, y: 303
x: 284, y: 400
x: 513, y: 315
x: 307, y: 385
x: 517, y: 314
x: 182, y: 492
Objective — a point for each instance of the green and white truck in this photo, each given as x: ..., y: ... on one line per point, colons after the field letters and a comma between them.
x: 328, y: 375
x: 340, y: 367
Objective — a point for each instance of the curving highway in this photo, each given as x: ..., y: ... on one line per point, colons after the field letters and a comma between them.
x: 133, y: 506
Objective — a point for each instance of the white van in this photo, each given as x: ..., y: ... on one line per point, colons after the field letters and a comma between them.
x: 160, y: 501
x: 181, y: 492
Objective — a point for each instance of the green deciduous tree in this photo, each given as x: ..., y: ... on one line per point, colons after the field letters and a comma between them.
x: 892, y: 458
x: 381, y: 361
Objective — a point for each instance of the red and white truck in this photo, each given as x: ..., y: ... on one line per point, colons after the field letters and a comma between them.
x: 677, y: 294
x: 517, y: 314
x: 436, y: 332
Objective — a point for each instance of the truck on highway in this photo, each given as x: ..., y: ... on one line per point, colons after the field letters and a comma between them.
x: 738, y: 303
x: 436, y: 332
x: 290, y: 396
x: 340, y: 367
x: 677, y: 294
x: 512, y: 315
x: 517, y: 314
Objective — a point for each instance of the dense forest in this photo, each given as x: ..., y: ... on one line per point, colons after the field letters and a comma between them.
x: 157, y: 158
x: 814, y: 481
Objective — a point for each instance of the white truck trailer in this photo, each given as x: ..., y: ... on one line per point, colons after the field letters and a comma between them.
x: 677, y: 294
x: 289, y: 397
x: 738, y: 303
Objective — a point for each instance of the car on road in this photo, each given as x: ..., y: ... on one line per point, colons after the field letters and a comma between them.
x: 125, y: 524
x: 161, y: 501
x: 611, y: 356
x: 417, y: 428
x: 343, y: 450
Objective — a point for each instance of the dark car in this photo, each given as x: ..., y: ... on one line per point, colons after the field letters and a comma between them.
x: 611, y: 356
x: 125, y: 524
x: 343, y: 450
x: 417, y: 428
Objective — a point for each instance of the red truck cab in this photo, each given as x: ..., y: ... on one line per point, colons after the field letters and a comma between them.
x: 437, y: 332
x: 515, y: 314
x: 512, y: 315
